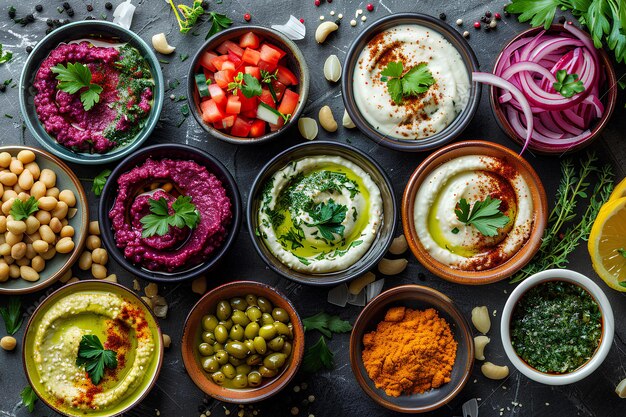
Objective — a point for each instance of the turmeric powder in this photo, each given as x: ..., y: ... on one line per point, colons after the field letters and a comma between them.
x: 410, y: 352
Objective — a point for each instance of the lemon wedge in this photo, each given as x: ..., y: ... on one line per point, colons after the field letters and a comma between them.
x: 619, y: 191
x: 607, y: 243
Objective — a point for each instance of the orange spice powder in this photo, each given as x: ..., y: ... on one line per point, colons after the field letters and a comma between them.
x: 410, y: 352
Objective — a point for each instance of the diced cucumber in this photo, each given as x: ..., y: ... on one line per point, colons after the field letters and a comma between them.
x: 202, y: 84
x: 268, y: 114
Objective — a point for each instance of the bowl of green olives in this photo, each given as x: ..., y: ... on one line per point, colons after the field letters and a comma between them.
x: 242, y: 342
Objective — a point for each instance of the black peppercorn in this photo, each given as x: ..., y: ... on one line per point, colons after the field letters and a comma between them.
x: 66, y: 6
x: 29, y: 49
x: 90, y: 18
x: 89, y: 8
x: 39, y: 8
x: 442, y: 16
x: 488, y: 13
x: 562, y: 19
x: 3, y: 88
x: 483, y: 19
x: 56, y: 22
x: 108, y: 5
x: 70, y: 12
x: 49, y: 30
x: 49, y: 22
x: 29, y: 18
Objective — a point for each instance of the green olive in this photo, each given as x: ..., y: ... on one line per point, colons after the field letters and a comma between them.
x: 221, y: 333
x: 244, y: 369
x: 218, y: 377
x: 218, y: 346
x: 254, y: 379
x: 253, y: 313
x: 208, y: 337
x: 234, y: 361
x: 228, y: 324
x: 223, y: 310
x: 265, y: 305
x: 276, y: 344
x: 222, y: 357
x: 267, y: 318
x: 280, y: 314
x: 240, y: 381
x: 229, y: 371
x: 251, y: 300
x: 266, y: 372
x: 238, y: 303
x: 206, y: 349
x: 236, y: 332
x: 254, y: 359
x: 209, y: 322
x: 274, y: 361
x: 268, y: 332
x: 282, y: 329
x: 239, y: 317
x: 237, y: 349
x: 252, y: 330
x: 260, y: 345
x: 287, y: 348
x: 210, y: 364
x: 250, y: 345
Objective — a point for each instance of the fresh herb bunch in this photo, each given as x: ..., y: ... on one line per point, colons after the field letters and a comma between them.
x: 76, y: 77
x: 95, y: 357
x: 160, y: 219
x: 416, y: 81
x: 327, y: 217
x: 319, y: 355
x: 190, y: 15
x: 566, y: 227
x: 605, y: 19
x: 99, y: 181
x: 247, y: 84
x: 29, y: 398
x: 219, y: 22
x: 485, y: 215
x: 20, y: 210
x: 567, y: 84
x: 12, y: 315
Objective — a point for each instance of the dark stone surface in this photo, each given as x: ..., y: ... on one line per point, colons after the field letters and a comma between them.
x: 336, y: 392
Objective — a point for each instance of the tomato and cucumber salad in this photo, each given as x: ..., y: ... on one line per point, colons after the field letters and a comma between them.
x: 245, y: 87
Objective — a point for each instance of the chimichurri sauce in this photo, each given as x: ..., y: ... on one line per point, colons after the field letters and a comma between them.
x: 556, y: 327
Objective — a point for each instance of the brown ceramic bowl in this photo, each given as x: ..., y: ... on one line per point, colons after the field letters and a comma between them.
x: 609, y: 100
x: 415, y: 297
x: 192, y: 337
x: 515, y: 263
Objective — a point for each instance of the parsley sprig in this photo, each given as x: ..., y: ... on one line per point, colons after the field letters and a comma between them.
x: 5, y: 56
x: 12, y: 315
x: 247, y: 84
x: 268, y: 78
x: 160, y: 219
x: 567, y: 84
x: 319, y: 355
x: 327, y: 217
x: 95, y: 357
x: 76, y: 77
x: 485, y: 215
x: 99, y: 181
x: 416, y: 81
x: 29, y: 398
x: 20, y: 210
x: 219, y: 22
x: 326, y: 324
x: 190, y: 15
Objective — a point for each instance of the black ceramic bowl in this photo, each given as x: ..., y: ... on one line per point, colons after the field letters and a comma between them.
x: 295, y: 62
x: 385, y: 233
x: 184, y: 152
x: 410, y: 145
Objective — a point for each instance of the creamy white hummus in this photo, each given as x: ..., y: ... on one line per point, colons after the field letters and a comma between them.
x: 419, y: 116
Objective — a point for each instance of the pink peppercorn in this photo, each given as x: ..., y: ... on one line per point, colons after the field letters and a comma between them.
x: 370, y: 7
x: 477, y: 25
x: 318, y: 2
x: 247, y: 17
x: 301, y: 20
x: 497, y: 16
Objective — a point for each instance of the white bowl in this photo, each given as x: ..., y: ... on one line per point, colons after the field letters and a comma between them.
x: 608, y: 326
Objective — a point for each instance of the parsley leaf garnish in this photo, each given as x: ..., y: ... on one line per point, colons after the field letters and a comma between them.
x: 295, y: 235
x: 317, y: 357
x: 416, y: 81
x: 249, y: 86
x: 5, y: 56
x: 484, y: 216
x: 268, y: 78
x: 12, y: 315
x: 99, y: 181
x: 327, y: 217
x: 326, y: 324
x: 190, y: 15
x: 29, y: 398
x: 160, y: 219
x: 219, y: 22
x: 20, y: 210
x: 76, y: 77
x: 621, y: 251
x: 95, y: 357
x: 567, y: 84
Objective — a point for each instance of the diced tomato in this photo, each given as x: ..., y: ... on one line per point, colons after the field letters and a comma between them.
x: 281, y: 53
x: 251, y: 114
x: 250, y: 56
x: 248, y: 103
x: 218, y: 61
x: 286, y: 77
x: 266, y: 97
x: 269, y: 54
x: 234, y: 58
x: 218, y: 95
x: 233, y: 47
x: 257, y: 129
x: 209, y: 75
x: 249, y: 40
x: 223, y: 78
x: 233, y: 106
x: 228, y: 65
x: 289, y: 102
x: 254, y: 71
x: 211, y: 113
x: 228, y: 121
x: 205, y: 61
x: 279, y: 89
x: 267, y: 66
x: 241, y: 127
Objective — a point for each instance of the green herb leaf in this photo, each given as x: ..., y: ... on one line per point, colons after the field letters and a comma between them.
x: 95, y: 358
x: 99, y: 181
x: 416, y: 81
x: 393, y: 69
x: 484, y: 216
x: 5, y: 56
x: 29, y: 398
x: 621, y: 251
x: 317, y: 357
x: 249, y: 86
x: 567, y: 84
x: 219, y: 22
x: 327, y: 217
x: 326, y: 324
x: 12, y: 315
x: 190, y: 15
x: 76, y: 77
x: 539, y: 12
x: 455, y: 231
x: 159, y: 221
x: 622, y: 283
x: 20, y: 210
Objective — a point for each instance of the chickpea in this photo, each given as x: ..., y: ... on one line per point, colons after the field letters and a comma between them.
x: 55, y: 225
x: 8, y: 343
x: 8, y: 178
x: 22, y: 195
x: 30, y: 251
x: 99, y: 271
x: 93, y: 242
x: 167, y: 187
x: 47, y: 234
x: 48, y: 177
x: 5, y: 159
x: 38, y: 190
x: 26, y: 156
x: 4, y: 272
x: 26, y: 180
x: 38, y: 263
x: 64, y: 222
x: 5, y: 249
x: 65, y: 245
x: 47, y: 203
x: 85, y: 261
x: 34, y: 169
x: 94, y: 228
x: 8, y: 194
x: 100, y: 256
x: 53, y: 192
x: 18, y: 251
x: 43, y: 216
x: 41, y: 246
x: 7, y: 205
x: 68, y: 197
x: 60, y: 210
x: 34, y: 236
x: 1, y: 190
x: 16, y: 166
x: 14, y: 271
x: 29, y: 274
x: 13, y: 239
x: 3, y: 224
x: 32, y: 225
x: 66, y: 276
x: 67, y: 231
x: 49, y: 254
x: 23, y: 262
x: 16, y: 227
x: 8, y: 259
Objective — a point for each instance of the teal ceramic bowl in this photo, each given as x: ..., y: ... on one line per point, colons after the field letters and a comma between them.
x: 90, y: 29
x: 61, y: 263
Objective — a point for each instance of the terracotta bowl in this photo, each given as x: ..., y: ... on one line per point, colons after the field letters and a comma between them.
x: 609, y: 101
x: 192, y: 335
x: 295, y: 62
x: 415, y: 297
x: 57, y: 266
x: 515, y: 263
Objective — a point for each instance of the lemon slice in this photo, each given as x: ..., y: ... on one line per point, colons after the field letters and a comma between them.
x: 607, y: 244
x: 619, y: 191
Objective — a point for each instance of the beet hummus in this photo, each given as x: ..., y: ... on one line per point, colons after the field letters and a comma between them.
x: 124, y: 104
x: 180, y: 246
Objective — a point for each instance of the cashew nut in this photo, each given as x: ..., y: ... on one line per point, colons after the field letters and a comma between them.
x: 347, y: 121
x: 358, y: 284
x: 479, y: 347
x: 327, y: 120
x: 160, y: 44
x: 392, y: 266
x: 398, y: 246
x: 620, y: 389
x: 323, y: 30
x: 481, y: 320
x: 308, y: 128
x: 492, y: 371
x: 332, y: 68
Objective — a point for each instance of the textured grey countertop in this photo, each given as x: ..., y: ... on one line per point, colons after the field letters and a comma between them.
x: 336, y: 392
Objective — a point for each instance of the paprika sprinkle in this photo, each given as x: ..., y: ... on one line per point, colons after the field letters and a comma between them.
x: 410, y: 352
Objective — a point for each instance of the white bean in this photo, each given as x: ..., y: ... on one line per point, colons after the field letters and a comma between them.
x: 29, y: 274
x: 26, y: 156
